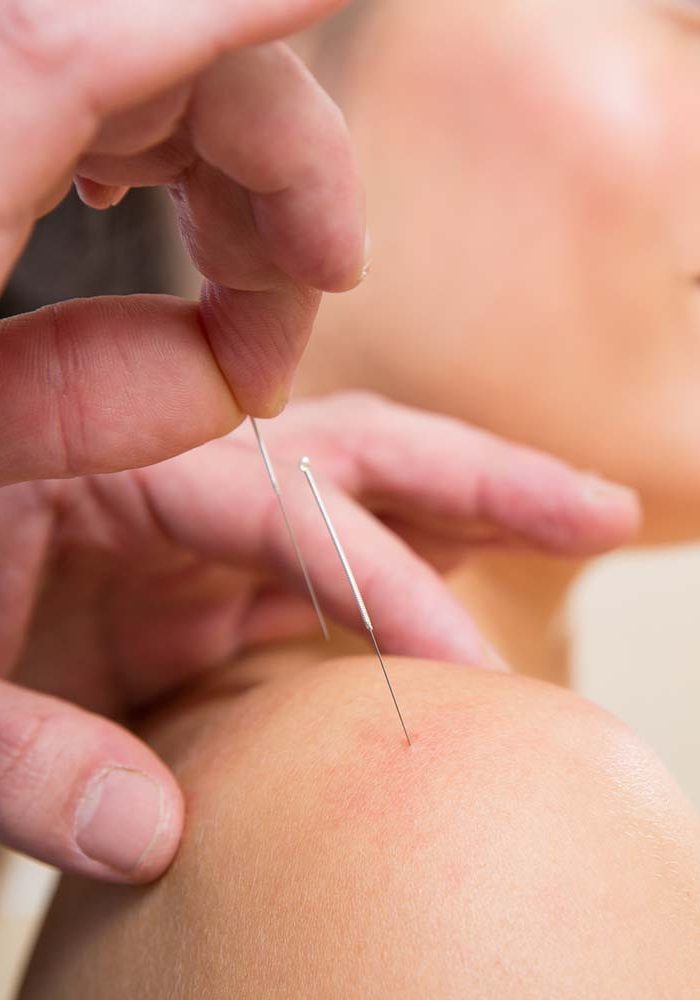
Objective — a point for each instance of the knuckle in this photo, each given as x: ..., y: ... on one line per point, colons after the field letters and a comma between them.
x: 47, y: 753
x: 73, y: 452
x: 23, y: 759
x: 45, y: 33
x: 349, y: 436
x: 368, y: 420
x: 46, y: 756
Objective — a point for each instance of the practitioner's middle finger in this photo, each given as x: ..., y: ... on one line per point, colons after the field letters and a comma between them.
x: 265, y: 184
x: 256, y: 153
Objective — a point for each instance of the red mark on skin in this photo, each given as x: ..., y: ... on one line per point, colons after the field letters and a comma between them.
x: 392, y: 790
x: 420, y: 816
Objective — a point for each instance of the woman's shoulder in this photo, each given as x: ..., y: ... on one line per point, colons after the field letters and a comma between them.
x: 526, y: 843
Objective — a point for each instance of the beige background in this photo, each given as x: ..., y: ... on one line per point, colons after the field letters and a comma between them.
x: 637, y: 652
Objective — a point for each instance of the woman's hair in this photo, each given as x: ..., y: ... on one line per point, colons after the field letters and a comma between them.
x: 76, y: 252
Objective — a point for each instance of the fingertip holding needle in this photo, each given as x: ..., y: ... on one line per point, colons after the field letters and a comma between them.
x: 305, y: 466
x: 290, y: 530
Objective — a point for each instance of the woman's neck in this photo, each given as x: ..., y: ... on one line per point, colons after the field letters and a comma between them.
x: 518, y: 600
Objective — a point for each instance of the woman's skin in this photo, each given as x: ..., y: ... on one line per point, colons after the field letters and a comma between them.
x: 534, y: 198
x: 526, y: 846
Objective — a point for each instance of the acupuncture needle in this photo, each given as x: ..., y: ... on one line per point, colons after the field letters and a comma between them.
x: 290, y: 529
x: 305, y: 466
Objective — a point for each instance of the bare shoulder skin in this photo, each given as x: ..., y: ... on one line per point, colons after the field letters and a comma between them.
x: 527, y: 845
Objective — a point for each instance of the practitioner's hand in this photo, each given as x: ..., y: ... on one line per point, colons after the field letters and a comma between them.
x: 258, y: 162
x: 116, y: 589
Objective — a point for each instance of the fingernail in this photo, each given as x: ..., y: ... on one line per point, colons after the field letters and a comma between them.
x: 601, y: 493
x: 278, y: 403
x: 119, y: 818
x: 367, y: 266
x: 119, y: 196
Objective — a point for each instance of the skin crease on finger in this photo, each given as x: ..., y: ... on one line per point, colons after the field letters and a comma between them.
x: 500, y: 855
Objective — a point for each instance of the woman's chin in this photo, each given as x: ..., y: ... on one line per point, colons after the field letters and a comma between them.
x: 671, y: 519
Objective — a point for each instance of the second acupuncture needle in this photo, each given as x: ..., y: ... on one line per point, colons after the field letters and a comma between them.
x: 290, y: 529
x: 305, y: 466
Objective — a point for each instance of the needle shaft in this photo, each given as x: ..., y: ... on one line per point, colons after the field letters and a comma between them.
x: 290, y: 529
x: 305, y: 466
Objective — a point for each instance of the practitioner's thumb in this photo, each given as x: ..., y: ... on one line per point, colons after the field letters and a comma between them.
x: 81, y: 793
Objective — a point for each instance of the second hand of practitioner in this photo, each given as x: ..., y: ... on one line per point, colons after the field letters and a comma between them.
x: 290, y: 528
x: 179, y: 559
